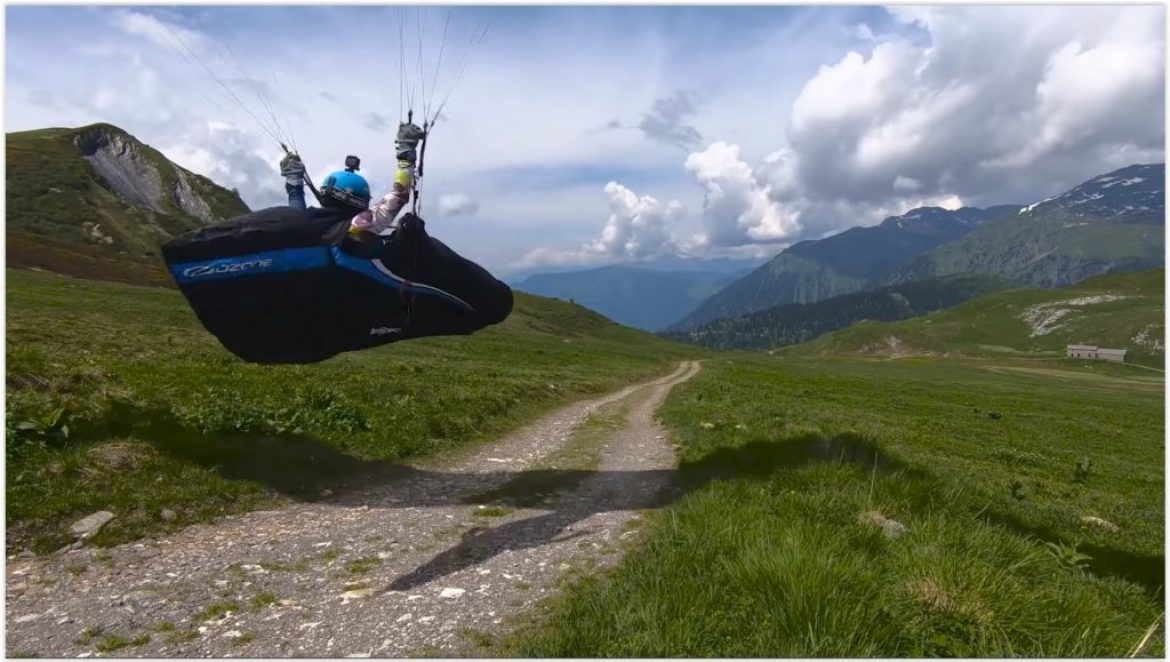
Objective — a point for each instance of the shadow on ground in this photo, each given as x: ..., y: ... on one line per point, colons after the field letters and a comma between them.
x: 300, y: 467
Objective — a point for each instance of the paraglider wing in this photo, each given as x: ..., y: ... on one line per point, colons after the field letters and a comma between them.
x: 281, y: 285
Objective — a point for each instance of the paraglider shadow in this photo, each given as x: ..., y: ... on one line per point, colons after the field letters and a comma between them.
x: 1147, y: 571
x: 296, y: 466
x: 302, y: 468
x: 573, y: 496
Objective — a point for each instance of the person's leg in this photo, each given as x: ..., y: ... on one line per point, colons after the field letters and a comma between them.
x: 296, y: 196
x: 293, y: 171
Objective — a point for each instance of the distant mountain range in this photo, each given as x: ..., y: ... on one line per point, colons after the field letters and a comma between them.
x: 811, y: 271
x: 647, y: 299
x: 1115, y: 222
x: 663, y: 263
x: 795, y: 323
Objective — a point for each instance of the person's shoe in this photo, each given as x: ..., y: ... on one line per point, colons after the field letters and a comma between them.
x: 410, y: 132
x: 293, y: 170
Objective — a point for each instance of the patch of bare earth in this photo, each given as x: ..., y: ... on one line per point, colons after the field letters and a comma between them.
x: 438, y: 559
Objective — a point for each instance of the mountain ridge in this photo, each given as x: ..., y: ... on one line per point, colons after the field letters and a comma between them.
x: 795, y: 323
x: 96, y: 190
x: 814, y: 270
x: 1112, y: 222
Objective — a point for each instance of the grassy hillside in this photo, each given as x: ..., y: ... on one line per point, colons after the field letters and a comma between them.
x: 1117, y: 310
x: 800, y: 322
x: 155, y: 415
x: 30, y: 251
x: 1050, y: 250
x: 54, y: 191
x: 1113, y: 222
x: 792, y: 471
x: 788, y: 277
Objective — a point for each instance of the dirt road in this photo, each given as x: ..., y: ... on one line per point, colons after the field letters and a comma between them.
x: 436, y: 559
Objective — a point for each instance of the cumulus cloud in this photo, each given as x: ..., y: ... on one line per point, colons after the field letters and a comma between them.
x: 457, y: 204
x: 975, y: 105
x: 222, y: 150
x: 737, y: 209
x: 232, y: 158
x: 1002, y: 104
x: 638, y: 227
x: 665, y: 121
x: 938, y: 105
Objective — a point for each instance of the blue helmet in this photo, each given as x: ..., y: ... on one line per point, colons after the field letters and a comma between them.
x: 347, y: 187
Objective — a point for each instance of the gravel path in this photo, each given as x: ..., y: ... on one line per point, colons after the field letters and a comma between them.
x: 437, y: 559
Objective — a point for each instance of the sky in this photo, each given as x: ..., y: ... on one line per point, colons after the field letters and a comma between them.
x: 577, y: 136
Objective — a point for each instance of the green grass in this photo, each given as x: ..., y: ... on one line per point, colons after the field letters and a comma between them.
x: 182, y: 636
x: 992, y: 325
x: 362, y: 566
x: 156, y: 415
x: 768, y: 554
x: 112, y: 642
x: 281, y: 566
x: 217, y: 609
x: 262, y: 600
x: 88, y: 635
x: 244, y: 639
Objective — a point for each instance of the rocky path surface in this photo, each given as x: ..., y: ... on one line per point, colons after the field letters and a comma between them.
x: 436, y: 559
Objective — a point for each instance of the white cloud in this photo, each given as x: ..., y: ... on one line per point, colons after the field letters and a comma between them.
x: 457, y: 204
x: 638, y: 227
x: 863, y: 32
x: 162, y: 33
x: 738, y: 209
x: 1000, y: 104
x: 232, y: 158
x: 978, y: 104
x: 903, y: 183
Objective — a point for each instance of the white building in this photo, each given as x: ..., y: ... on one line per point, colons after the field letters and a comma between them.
x: 1094, y: 352
x: 1117, y: 355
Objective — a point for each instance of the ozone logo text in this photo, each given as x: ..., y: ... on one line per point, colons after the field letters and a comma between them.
x: 200, y: 270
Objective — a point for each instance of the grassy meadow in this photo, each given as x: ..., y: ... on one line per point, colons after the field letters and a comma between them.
x: 786, y: 464
x: 1115, y: 310
x: 827, y: 506
x: 118, y: 399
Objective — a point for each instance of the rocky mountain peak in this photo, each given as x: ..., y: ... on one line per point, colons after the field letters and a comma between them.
x: 1137, y: 192
x: 79, y: 195
x: 123, y: 167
